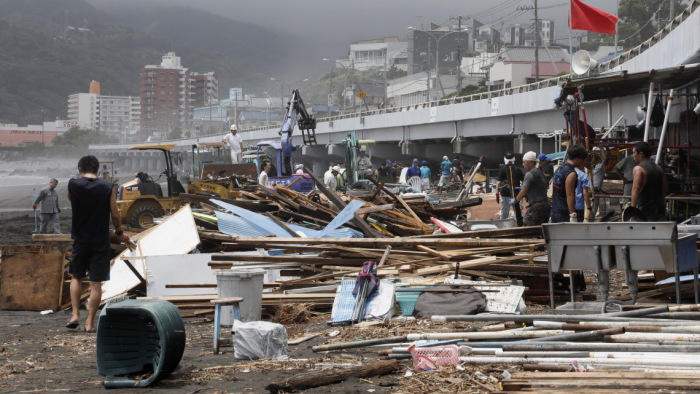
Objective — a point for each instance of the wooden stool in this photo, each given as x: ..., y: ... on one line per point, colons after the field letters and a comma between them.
x: 218, y: 303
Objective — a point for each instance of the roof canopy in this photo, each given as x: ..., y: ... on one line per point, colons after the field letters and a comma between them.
x: 166, y: 147
x: 620, y: 84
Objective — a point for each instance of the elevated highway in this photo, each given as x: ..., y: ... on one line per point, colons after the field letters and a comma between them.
x: 482, y: 124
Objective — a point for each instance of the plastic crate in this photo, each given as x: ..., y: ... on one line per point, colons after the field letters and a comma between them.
x: 407, y: 300
x: 433, y: 357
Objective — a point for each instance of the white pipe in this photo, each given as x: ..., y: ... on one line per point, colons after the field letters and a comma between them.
x: 664, y: 128
x: 551, y: 325
x: 455, y: 137
x: 648, y: 114
x: 585, y: 361
x: 486, y: 335
x: 653, y: 337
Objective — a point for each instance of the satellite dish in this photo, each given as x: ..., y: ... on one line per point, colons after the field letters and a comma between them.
x: 641, y: 112
x: 582, y: 62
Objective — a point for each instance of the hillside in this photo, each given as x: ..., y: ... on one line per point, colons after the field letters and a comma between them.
x: 43, y: 60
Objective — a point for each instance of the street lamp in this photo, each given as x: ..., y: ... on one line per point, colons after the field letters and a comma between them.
x: 437, y: 52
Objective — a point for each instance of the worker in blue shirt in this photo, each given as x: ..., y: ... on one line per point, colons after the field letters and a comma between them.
x: 413, y: 170
x: 445, y: 174
x: 425, y: 174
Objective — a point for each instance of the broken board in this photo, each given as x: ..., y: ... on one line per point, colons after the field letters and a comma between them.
x: 32, y: 277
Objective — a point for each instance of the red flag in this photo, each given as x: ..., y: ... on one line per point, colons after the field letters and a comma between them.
x: 585, y: 17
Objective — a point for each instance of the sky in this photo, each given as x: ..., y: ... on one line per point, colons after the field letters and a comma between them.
x: 338, y: 23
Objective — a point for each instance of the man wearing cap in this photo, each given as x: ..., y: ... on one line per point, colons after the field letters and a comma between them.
x: 384, y: 170
x: 534, y: 190
x: 546, y: 167
x: 299, y: 168
x: 425, y: 175
x: 413, y: 170
x: 235, y: 143
x: 445, y: 174
x: 508, y: 174
x: 331, y: 181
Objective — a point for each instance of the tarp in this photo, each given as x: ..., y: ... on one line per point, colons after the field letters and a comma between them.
x: 249, y: 223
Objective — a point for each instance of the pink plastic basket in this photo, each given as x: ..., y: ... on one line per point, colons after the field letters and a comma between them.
x: 433, y: 357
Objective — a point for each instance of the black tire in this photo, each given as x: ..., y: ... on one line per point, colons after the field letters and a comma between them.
x: 143, y: 216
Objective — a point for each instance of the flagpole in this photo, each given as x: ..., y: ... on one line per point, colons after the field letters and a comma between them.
x: 617, y: 14
x: 571, y: 50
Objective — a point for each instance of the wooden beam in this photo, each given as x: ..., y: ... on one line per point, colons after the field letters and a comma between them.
x: 335, y: 199
x: 268, y: 242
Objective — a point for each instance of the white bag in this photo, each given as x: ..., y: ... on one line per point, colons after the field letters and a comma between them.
x: 259, y: 339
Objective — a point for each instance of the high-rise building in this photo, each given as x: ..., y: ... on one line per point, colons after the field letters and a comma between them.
x: 116, y: 116
x: 164, y: 96
x: 204, y: 89
x: 170, y: 92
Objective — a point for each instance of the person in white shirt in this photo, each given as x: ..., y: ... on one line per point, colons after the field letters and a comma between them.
x: 262, y: 179
x: 364, y: 166
x: 331, y: 180
x: 299, y: 169
x: 235, y: 143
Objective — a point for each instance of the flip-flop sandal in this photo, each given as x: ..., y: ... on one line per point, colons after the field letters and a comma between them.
x: 73, y: 324
x: 93, y: 331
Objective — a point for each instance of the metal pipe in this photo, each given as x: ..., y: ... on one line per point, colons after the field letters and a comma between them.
x: 584, y: 335
x: 563, y: 318
x: 652, y: 337
x: 589, y: 327
x: 664, y: 127
x: 485, y: 335
x: 648, y: 114
x: 618, y: 347
x: 586, y: 361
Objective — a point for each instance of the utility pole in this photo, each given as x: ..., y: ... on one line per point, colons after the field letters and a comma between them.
x: 459, y: 52
x: 537, y: 45
x: 427, y: 82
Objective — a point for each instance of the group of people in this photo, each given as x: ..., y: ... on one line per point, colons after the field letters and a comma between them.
x: 644, y: 182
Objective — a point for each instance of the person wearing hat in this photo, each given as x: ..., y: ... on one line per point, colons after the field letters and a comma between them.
x: 534, y: 190
x: 384, y: 171
x: 299, y: 168
x: 445, y: 174
x: 508, y: 174
x: 546, y: 167
x: 413, y: 170
x: 235, y: 143
x: 425, y: 175
x: 364, y: 165
x: 331, y: 181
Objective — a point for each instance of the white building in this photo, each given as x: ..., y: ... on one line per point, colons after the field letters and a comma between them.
x: 84, y: 108
x: 418, y: 88
x: 376, y: 54
x: 117, y: 116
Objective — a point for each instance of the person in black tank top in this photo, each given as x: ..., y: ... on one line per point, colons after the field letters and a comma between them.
x: 649, y: 186
x: 564, y: 186
x: 93, y: 201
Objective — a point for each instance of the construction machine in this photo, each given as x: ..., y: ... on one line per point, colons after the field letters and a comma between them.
x: 141, y: 200
x: 208, y: 162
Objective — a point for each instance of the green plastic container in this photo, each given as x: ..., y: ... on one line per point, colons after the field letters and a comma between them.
x: 407, y: 300
x: 137, y: 337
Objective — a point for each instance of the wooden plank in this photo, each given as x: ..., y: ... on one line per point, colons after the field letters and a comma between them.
x: 381, y: 242
x: 52, y: 238
x: 434, y: 252
x: 335, y: 199
x: 410, y: 211
x: 32, y: 277
x: 281, y: 224
x: 375, y: 208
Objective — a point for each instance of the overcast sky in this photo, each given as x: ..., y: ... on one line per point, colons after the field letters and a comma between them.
x: 341, y: 22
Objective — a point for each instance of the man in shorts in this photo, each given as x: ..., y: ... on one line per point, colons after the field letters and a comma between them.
x: 93, y: 201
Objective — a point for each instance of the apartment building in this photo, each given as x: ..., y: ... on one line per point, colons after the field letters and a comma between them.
x: 116, y: 116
